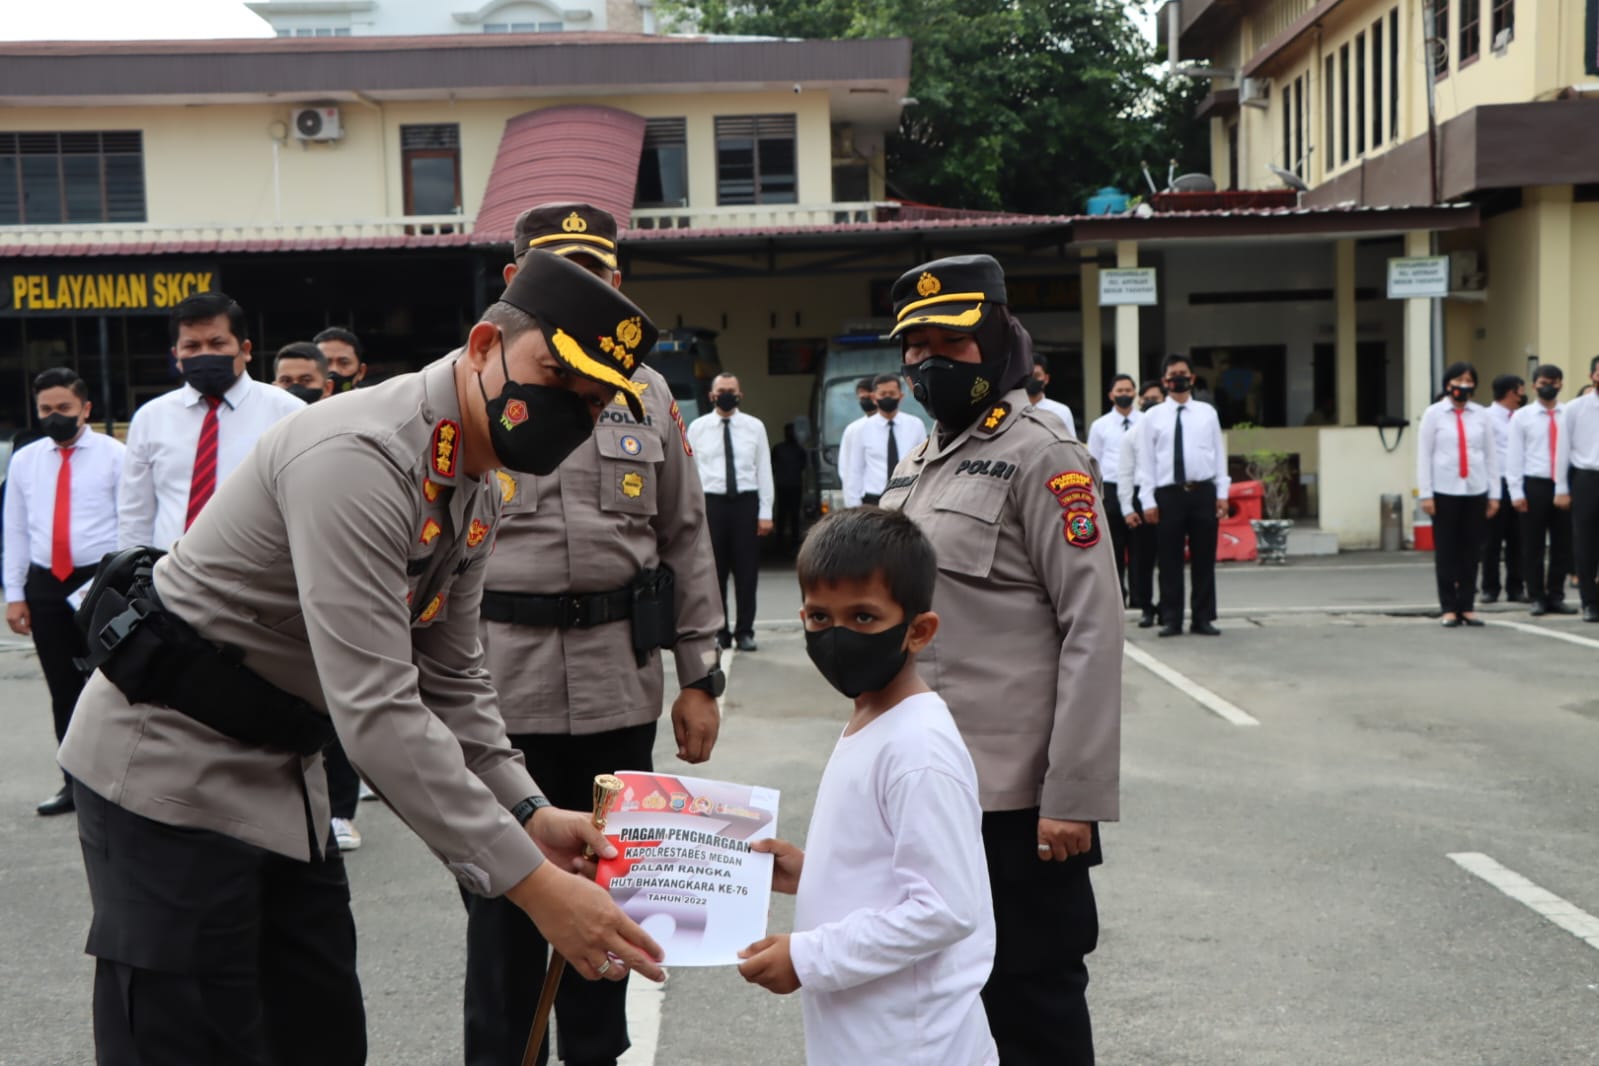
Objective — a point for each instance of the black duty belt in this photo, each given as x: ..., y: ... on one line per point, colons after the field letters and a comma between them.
x: 566, y: 611
x: 1190, y: 486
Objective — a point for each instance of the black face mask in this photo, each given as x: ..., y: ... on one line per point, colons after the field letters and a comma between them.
x: 1179, y: 383
x: 209, y: 375
x: 954, y: 393
x: 1122, y: 402
x: 534, y: 427
x: 1035, y: 387
x: 341, y: 382
x: 1145, y: 405
x: 726, y: 401
x: 60, y: 428
x: 855, y: 662
x: 868, y: 405
x: 888, y: 404
x: 304, y: 393
x: 1548, y: 392
x: 1461, y: 393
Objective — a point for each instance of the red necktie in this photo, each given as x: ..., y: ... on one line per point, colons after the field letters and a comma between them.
x: 204, y: 482
x: 1554, y: 440
x: 1460, y: 426
x: 61, y: 531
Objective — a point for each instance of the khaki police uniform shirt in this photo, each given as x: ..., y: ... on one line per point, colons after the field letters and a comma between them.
x: 627, y: 500
x: 345, y: 558
x: 1029, y: 648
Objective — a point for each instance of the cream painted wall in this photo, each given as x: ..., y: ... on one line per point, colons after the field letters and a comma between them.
x: 1584, y: 308
x: 1356, y: 472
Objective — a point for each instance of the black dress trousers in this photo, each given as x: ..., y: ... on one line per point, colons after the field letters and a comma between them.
x: 735, y: 541
x: 1543, y: 523
x: 1503, y: 540
x: 506, y: 955
x: 1187, y: 515
x: 56, y: 639
x: 1585, y: 532
x: 1118, y: 533
x: 1143, y: 544
x: 1459, y: 526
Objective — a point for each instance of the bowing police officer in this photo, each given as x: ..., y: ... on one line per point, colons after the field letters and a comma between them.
x: 1029, y: 650
x: 598, y: 567
x: 222, y: 930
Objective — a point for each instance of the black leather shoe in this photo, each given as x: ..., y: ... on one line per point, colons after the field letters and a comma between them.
x: 1146, y: 622
x: 1590, y: 614
x: 60, y: 803
x: 1449, y: 623
x: 1538, y: 610
x: 1488, y: 597
x: 1559, y: 607
x: 746, y: 644
x: 1204, y: 629
x: 1517, y: 597
x: 1170, y: 631
x: 1474, y: 622
x: 724, y: 640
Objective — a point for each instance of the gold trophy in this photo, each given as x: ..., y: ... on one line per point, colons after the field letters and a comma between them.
x: 606, y: 788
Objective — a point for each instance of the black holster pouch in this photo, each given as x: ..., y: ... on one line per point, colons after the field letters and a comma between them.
x: 654, y: 612
x: 153, y: 656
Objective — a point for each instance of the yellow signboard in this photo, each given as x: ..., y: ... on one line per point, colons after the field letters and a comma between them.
x: 117, y: 289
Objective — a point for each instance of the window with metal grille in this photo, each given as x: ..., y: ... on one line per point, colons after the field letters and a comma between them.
x: 1329, y: 140
x: 756, y: 160
x: 1504, y: 18
x: 1360, y: 94
x: 663, y: 165
x: 55, y: 178
x: 1376, y: 83
x: 430, y: 161
x: 1439, y: 45
x: 1393, y: 78
x: 1343, y: 104
x: 1470, y: 31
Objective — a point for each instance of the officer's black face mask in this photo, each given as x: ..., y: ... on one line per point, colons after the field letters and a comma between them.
x: 59, y: 427
x: 868, y: 405
x: 855, y: 662
x: 304, y: 393
x: 888, y: 404
x: 209, y: 375
x: 1179, y: 383
x: 1124, y: 402
x: 341, y: 382
x: 1548, y: 392
x: 726, y: 401
x: 1035, y: 387
x: 534, y: 427
x: 1147, y: 404
x: 954, y: 393
x: 1461, y: 393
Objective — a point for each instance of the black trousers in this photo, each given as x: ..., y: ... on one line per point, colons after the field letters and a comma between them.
x: 344, y: 784
x: 1143, y: 545
x: 1503, y: 539
x: 57, y: 640
x: 1187, y: 515
x: 1459, y: 525
x: 210, y: 950
x: 1544, y: 522
x: 787, y: 516
x: 506, y: 955
x: 1118, y: 533
x: 1045, y: 924
x: 736, y: 544
x: 1585, y: 532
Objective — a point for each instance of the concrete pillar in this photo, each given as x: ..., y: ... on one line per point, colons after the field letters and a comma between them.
x: 1552, y: 210
x: 1126, y: 316
x: 1344, y: 337
x: 1093, y: 345
x: 1418, y: 342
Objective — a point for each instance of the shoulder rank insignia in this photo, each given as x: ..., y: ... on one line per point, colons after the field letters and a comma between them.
x: 507, y: 486
x: 620, y: 399
x: 682, y: 430
x: 446, y: 442
x: 1000, y: 412
x: 432, y: 610
x: 476, y: 532
x: 430, y: 490
x: 632, y: 485
x: 430, y: 531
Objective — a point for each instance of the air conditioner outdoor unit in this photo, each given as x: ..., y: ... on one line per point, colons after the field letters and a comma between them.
x: 1465, y: 272
x: 317, y: 124
x: 1255, y: 92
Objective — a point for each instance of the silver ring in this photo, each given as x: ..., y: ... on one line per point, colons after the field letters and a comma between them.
x: 603, y: 967
x: 1045, y: 847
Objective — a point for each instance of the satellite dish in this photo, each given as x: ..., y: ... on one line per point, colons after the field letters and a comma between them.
x: 1288, y: 178
x: 1194, y: 183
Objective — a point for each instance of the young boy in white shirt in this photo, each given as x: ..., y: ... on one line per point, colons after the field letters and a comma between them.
x: 894, y: 924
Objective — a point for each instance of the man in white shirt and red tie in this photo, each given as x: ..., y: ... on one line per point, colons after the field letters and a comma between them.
x: 1579, y: 457
x: 60, y: 518
x: 1105, y: 439
x: 182, y: 445
x: 1457, y: 481
x: 879, y: 442
x: 1504, y: 532
x: 1540, y: 492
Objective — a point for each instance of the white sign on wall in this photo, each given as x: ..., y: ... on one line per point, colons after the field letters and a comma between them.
x: 1128, y: 285
x: 1420, y: 277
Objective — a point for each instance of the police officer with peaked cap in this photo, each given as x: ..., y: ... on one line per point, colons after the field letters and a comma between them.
x: 596, y: 567
x: 222, y: 923
x: 1029, y: 650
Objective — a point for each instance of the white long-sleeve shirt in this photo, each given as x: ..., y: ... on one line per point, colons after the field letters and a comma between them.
x: 162, y: 440
x: 1499, y: 417
x: 894, y: 921
x: 1528, y: 453
x: 1105, y: 439
x: 1438, y: 452
x: 96, y: 465
x: 864, y: 468
x: 1060, y: 411
x: 752, y: 456
x: 1127, y: 470
x: 1204, y: 451
x: 1579, y: 446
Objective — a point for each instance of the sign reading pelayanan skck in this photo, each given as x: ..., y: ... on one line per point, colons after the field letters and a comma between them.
x: 102, y: 288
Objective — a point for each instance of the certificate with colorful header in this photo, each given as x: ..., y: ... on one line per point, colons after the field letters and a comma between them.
x: 684, y: 869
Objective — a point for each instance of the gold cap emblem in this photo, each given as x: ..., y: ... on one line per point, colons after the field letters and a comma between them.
x: 927, y: 285
x: 630, y: 331
x: 574, y: 223
x: 980, y: 388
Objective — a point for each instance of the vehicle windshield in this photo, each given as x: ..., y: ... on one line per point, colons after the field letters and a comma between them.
x: 839, y: 409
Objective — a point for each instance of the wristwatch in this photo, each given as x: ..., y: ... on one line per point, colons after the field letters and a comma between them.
x: 523, y: 812
x: 714, y: 682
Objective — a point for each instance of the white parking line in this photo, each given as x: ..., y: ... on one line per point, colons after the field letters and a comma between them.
x: 1545, y: 631
x: 1204, y: 696
x: 643, y: 1021
x: 1568, y: 916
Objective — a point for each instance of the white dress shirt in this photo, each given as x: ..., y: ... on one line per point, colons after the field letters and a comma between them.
x: 96, y: 464
x: 866, y: 473
x: 1204, y: 453
x: 1528, y: 453
x: 1127, y: 468
x: 1438, y: 452
x: 1579, y: 445
x: 846, y: 446
x: 752, y: 456
x: 162, y: 439
x: 1060, y: 411
x: 1499, y: 417
x: 1105, y: 438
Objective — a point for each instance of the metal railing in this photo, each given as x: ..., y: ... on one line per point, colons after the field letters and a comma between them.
x: 751, y: 216
x: 164, y: 233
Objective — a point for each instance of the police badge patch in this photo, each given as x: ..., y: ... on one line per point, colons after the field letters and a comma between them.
x: 1082, y: 531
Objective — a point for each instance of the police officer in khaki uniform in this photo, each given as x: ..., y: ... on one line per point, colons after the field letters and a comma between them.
x: 596, y: 567
x: 222, y: 926
x: 1029, y: 650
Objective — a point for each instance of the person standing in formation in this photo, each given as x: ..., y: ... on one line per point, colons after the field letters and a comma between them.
x: 60, y: 518
x: 1105, y: 439
x: 1540, y: 492
x: 1035, y: 394
x: 301, y: 370
x: 847, y: 442
x: 1457, y: 479
x: 882, y: 439
x: 735, y: 463
x: 1142, y: 543
x: 789, y: 463
x: 1579, y: 455
x: 1504, y: 532
x: 346, y: 370
x: 183, y: 445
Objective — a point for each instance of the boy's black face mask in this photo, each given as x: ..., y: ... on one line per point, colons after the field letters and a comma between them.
x: 855, y: 662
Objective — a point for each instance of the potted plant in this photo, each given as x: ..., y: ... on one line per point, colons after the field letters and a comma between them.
x: 1274, y: 471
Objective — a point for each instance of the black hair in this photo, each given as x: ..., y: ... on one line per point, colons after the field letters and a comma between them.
x: 1593, y: 364
x: 1456, y: 369
x: 203, y: 307
x: 1041, y: 360
x: 1152, y: 383
x: 339, y: 333
x: 1174, y: 358
x: 301, y: 350
x: 1123, y: 377
x: 61, y: 377
x: 863, y: 385
x: 1550, y: 371
x: 854, y: 544
x: 887, y: 379
x: 1505, y: 384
